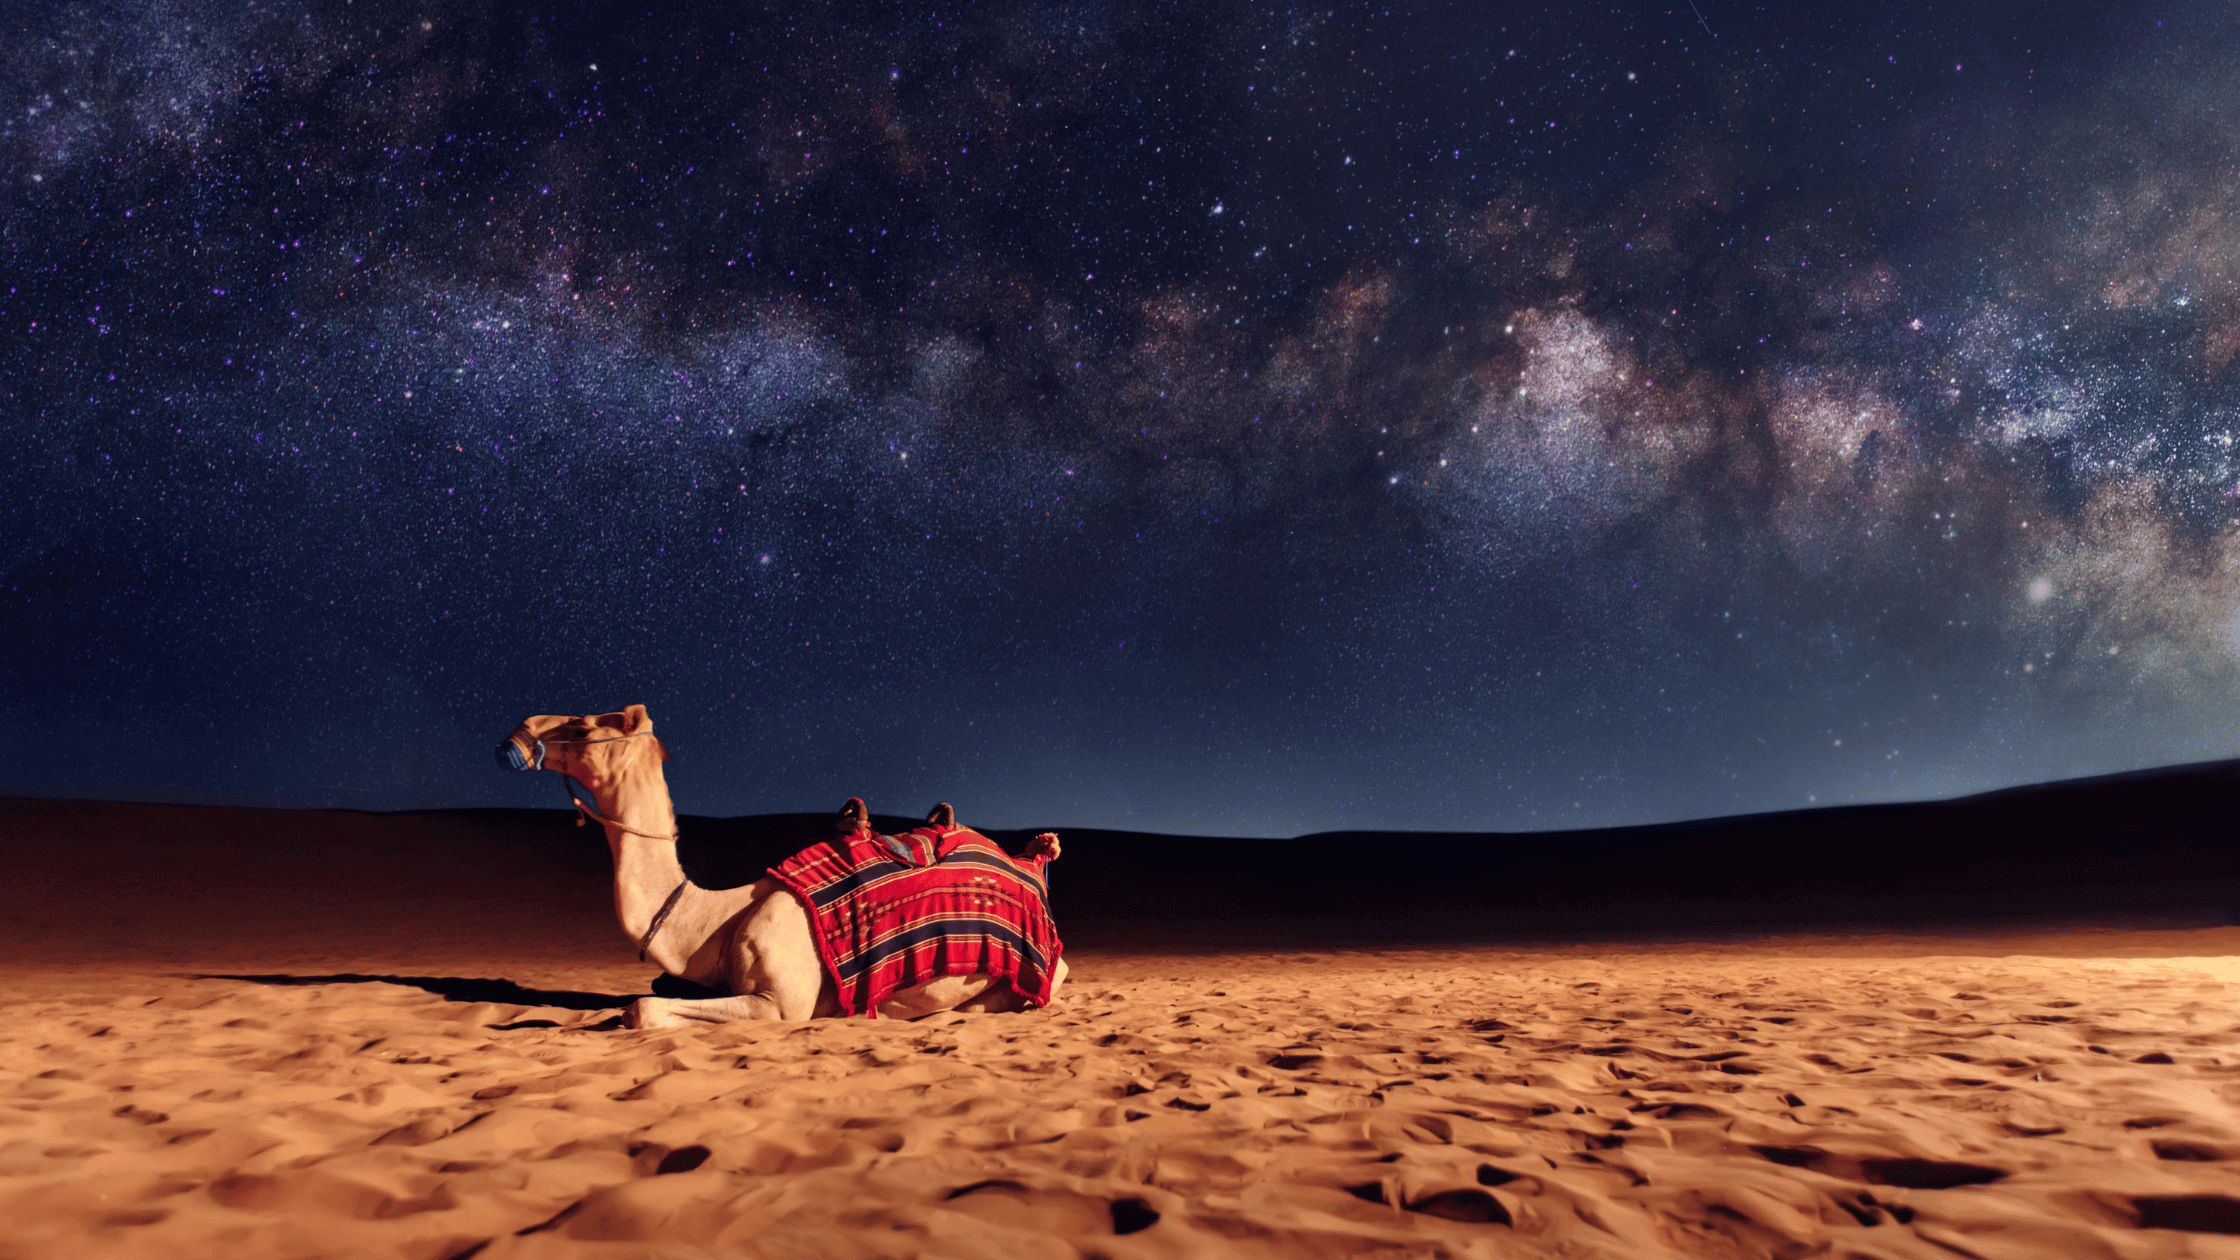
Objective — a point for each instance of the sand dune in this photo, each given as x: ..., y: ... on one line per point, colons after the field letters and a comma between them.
x: 427, y: 1071
x: 1456, y: 1102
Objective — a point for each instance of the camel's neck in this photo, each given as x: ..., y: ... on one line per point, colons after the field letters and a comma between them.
x: 635, y: 800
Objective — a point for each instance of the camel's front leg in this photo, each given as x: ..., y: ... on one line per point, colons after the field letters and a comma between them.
x: 653, y: 1012
x: 771, y: 968
x: 975, y: 994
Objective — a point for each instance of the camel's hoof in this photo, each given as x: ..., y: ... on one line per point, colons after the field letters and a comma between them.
x: 853, y: 817
x: 943, y: 815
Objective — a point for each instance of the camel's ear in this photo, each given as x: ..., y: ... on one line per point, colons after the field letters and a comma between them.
x: 636, y: 719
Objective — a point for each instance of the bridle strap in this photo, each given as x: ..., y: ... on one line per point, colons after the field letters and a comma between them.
x: 567, y: 784
x: 537, y: 762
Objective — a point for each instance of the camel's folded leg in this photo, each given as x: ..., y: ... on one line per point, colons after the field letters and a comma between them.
x: 770, y: 965
x: 996, y: 998
x: 684, y: 1012
x: 1005, y: 998
x: 976, y: 993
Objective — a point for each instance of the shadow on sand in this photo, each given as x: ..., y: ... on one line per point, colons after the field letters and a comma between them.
x: 461, y: 989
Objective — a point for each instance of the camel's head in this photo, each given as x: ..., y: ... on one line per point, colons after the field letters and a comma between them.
x: 581, y: 747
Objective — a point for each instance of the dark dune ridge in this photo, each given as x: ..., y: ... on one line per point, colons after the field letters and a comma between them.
x: 2142, y: 849
x: 2150, y: 846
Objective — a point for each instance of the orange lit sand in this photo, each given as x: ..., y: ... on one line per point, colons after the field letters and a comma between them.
x: 1618, y: 1104
x: 1799, y: 1096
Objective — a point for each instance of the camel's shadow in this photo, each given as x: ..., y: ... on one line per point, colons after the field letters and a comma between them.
x: 465, y: 989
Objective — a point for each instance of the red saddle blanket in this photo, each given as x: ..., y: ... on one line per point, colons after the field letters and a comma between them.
x: 895, y: 911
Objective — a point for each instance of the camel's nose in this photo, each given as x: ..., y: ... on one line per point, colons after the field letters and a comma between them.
x: 511, y: 756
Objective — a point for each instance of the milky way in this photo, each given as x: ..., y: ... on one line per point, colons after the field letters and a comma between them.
x: 1199, y: 418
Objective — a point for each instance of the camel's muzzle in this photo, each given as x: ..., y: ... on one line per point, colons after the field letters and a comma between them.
x: 512, y: 756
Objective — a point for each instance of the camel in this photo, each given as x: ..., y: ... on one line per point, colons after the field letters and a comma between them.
x: 753, y: 943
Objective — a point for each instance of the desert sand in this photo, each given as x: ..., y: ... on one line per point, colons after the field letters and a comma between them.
x: 400, y: 1040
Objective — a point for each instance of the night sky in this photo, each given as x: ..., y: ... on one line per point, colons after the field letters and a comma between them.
x: 1204, y: 418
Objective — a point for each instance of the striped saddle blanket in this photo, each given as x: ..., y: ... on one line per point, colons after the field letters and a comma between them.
x: 895, y: 911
